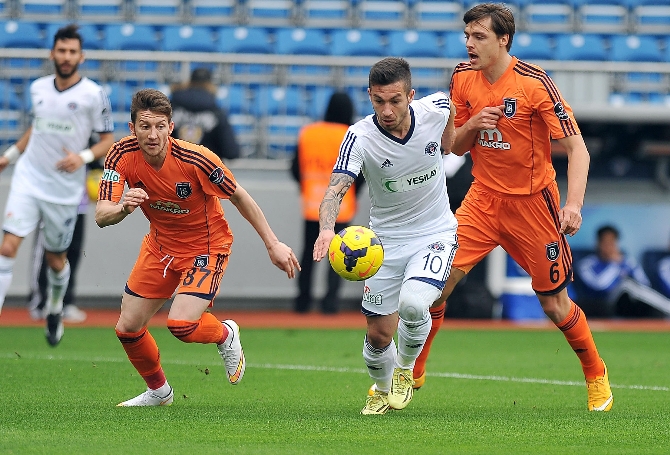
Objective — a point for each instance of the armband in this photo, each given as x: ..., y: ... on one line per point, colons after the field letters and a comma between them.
x: 12, y: 154
x: 87, y: 155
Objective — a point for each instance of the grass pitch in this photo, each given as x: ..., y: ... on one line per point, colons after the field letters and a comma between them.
x: 487, y: 392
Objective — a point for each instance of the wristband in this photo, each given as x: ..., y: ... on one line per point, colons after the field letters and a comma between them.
x: 12, y: 154
x: 87, y: 155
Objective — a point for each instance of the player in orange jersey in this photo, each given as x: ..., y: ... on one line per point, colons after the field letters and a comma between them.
x: 178, y: 186
x: 506, y: 112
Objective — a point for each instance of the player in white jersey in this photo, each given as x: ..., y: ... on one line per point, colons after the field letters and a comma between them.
x: 49, y: 176
x: 398, y: 149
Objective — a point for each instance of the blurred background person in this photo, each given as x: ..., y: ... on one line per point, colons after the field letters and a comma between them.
x: 318, y: 148
x: 198, y: 119
x: 609, y: 283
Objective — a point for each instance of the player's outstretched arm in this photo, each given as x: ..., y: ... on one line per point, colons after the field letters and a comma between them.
x: 108, y: 213
x: 570, y: 216
x: 328, y: 211
x: 281, y: 255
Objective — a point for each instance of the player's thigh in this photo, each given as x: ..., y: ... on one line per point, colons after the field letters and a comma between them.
x: 151, y: 276
x: 432, y: 258
x: 187, y: 307
x: 58, y: 223
x: 477, y: 229
x: 381, y: 291
x: 201, y: 275
x: 136, y: 312
x: 22, y: 214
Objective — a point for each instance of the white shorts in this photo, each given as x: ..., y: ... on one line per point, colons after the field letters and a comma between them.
x: 427, y: 259
x: 24, y: 213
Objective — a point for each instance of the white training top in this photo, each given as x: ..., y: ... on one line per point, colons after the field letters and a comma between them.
x: 61, y: 120
x: 405, y: 176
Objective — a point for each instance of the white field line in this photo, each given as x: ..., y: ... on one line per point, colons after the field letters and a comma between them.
x: 275, y: 366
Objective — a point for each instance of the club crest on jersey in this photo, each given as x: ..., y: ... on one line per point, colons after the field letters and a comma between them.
x: 201, y: 261
x: 432, y: 148
x: 72, y: 106
x: 553, y: 251
x: 184, y: 189
x: 436, y: 247
x: 559, y: 110
x: 510, y: 107
x: 217, y: 176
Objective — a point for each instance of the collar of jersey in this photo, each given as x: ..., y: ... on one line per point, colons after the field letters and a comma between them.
x: 405, y: 139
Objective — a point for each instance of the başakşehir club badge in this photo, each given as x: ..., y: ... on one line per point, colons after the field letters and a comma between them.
x: 184, y: 189
x: 510, y: 107
x: 553, y: 251
x: 201, y: 261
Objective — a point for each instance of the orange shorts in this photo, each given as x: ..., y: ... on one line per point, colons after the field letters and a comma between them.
x: 156, y: 275
x: 525, y: 226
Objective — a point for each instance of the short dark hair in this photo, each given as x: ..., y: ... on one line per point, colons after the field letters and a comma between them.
x: 68, y: 32
x: 502, y: 19
x: 389, y: 71
x: 201, y: 74
x: 149, y: 99
x: 607, y: 229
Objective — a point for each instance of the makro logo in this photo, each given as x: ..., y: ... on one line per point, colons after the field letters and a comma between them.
x: 170, y: 207
x: 110, y: 175
x: 493, y: 139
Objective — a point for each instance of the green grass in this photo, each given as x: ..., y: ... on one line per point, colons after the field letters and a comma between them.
x: 62, y: 400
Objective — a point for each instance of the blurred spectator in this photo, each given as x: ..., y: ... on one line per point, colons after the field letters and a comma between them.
x: 198, y: 119
x: 664, y: 274
x: 318, y: 148
x: 609, y: 283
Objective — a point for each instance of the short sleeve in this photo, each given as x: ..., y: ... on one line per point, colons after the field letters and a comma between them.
x: 216, y: 179
x: 113, y: 176
x: 350, y: 159
x: 455, y: 92
x: 553, y: 109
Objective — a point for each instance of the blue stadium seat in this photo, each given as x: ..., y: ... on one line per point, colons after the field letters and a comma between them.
x: 606, y: 18
x: 326, y: 13
x: 300, y: 41
x: 188, y: 38
x: 580, y: 47
x: 158, y: 11
x: 438, y: 15
x: 361, y: 100
x: 235, y: 100
x: 89, y: 33
x: 410, y: 43
x: 383, y: 14
x: 9, y: 100
x: 120, y: 96
x: 20, y: 34
x: 535, y: 46
x: 357, y: 42
x: 635, y: 48
x: 244, y: 40
x: 130, y: 37
x: 318, y: 102
x: 652, y: 19
x: 213, y: 12
x: 46, y: 10
x: 276, y: 13
x: 549, y: 17
x: 101, y: 10
x: 277, y: 100
x: 650, y: 263
x: 454, y: 46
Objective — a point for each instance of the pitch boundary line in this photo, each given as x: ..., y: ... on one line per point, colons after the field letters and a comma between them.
x: 278, y: 366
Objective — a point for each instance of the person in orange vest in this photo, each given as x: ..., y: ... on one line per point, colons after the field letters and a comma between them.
x: 318, y: 148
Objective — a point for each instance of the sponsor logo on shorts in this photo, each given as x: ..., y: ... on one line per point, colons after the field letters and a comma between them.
x: 411, y: 182
x: 201, y: 261
x: 559, y: 110
x: 183, y: 189
x: 217, y: 176
x: 109, y: 175
x: 375, y: 299
x: 437, y: 247
x: 170, y: 207
x: 432, y: 148
x: 510, y: 107
x: 553, y: 251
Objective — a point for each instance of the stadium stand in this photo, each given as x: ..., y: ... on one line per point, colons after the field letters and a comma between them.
x: 273, y: 13
x: 580, y: 47
x: 432, y: 15
x: 557, y: 16
x: 382, y: 14
x: 43, y: 10
x: 158, y: 11
x: 11, y: 114
x: 535, y: 46
x: 102, y: 11
x: 186, y: 38
x: 325, y: 13
x: 212, y: 12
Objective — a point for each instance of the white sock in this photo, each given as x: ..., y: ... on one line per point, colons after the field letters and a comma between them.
x: 163, y: 390
x: 380, y: 364
x: 6, y: 273
x: 56, y: 287
x: 411, y: 338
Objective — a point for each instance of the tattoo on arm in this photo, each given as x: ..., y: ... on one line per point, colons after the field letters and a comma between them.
x: 330, y: 206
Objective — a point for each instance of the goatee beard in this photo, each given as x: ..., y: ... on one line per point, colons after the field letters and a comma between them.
x: 64, y: 75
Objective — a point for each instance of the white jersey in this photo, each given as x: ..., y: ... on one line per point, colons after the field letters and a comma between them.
x: 61, y: 120
x: 405, y: 177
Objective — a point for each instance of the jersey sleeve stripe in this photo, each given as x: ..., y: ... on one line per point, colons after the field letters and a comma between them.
x: 111, y: 161
x: 345, y: 151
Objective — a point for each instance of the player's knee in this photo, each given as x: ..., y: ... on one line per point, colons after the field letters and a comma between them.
x: 416, y: 297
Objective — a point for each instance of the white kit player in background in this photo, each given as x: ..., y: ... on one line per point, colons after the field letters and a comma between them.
x: 398, y: 149
x: 49, y: 177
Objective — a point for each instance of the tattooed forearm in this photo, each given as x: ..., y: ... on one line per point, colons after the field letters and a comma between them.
x: 330, y: 206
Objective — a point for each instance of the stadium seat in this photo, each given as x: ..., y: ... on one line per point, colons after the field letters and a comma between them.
x: 300, y: 41
x: 580, y: 47
x: 102, y: 11
x: 535, y: 46
x: 188, y: 38
x: 213, y: 12
x: 11, y: 114
x: 244, y: 40
x: 651, y: 19
x: 438, y: 15
x: 272, y: 13
x: 326, y: 13
x: 43, y: 10
x: 120, y: 96
x: 382, y: 14
x: 357, y: 42
x: 318, y: 102
x: 89, y: 33
x: 548, y: 17
x: 277, y: 100
x: 410, y: 43
x: 635, y: 48
x: 235, y: 100
x: 454, y: 46
x: 21, y: 34
x: 130, y: 37
x: 158, y: 11
x: 650, y: 263
x: 361, y: 100
x: 608, y: 18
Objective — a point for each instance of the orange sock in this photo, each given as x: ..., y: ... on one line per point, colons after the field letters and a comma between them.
x: 143, y: 353
x: 206, y: 330
x: 437, y: 316
x: 577, y: 332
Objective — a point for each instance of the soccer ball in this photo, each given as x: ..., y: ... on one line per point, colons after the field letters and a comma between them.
x: 356, y: 253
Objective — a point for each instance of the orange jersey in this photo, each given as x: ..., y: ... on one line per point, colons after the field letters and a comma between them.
x: 515, y: 157
x: 184, y: 210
